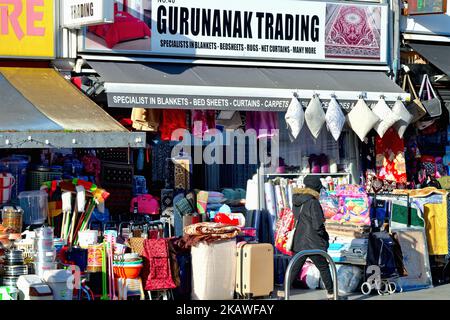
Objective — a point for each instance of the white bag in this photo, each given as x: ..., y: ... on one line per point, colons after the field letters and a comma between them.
x: 252, y: 200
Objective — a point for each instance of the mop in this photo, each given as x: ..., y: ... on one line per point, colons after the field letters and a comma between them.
x: 80, y: 204
x: 66, y: 198
x: 84, y: 219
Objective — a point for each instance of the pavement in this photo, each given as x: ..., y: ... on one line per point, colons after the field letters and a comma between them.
x: 441, y: 292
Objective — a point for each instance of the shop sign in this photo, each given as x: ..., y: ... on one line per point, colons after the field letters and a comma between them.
x: 27, y: 28
x: 253, y: 29
x: 203, y: 102
x: 77, y: 13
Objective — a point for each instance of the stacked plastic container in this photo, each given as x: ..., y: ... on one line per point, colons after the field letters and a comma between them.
x: 45, y: 256
x: 35, y: 206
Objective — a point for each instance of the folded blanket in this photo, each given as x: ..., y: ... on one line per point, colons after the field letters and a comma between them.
x: 208, y: 232
x: 211, y: 228
x: 415, y: 193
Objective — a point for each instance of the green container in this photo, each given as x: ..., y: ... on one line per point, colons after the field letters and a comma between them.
x: 8, y: 293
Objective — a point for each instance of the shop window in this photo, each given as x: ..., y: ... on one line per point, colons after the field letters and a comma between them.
x: 424, y: 7
x: 343, y: 152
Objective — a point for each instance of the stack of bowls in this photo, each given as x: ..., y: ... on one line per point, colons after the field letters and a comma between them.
x: 128, y: 266
x: 13, y: 268
x: 45, y: 256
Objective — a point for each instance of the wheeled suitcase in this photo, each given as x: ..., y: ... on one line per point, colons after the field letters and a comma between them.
x: 254, y: 274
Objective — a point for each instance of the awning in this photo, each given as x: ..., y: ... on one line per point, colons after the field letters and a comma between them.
x: 439, y: 55
x: 187, y: 86
x: 40, y: 109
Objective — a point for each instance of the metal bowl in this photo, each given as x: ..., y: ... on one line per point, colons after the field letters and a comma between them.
x: 15, y: 271
x: 14, y: 255
x: 10, y: 281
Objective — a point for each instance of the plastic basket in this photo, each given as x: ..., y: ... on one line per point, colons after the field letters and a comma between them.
x: 37, y: 178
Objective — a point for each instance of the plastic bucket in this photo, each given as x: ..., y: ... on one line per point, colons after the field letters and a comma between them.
x: 58, y: 281
x: 86, y: 238
x: 35, y: 206
x: 17, y: 166
x: 41, y: 267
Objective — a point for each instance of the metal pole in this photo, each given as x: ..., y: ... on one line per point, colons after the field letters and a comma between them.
x: 299, y: 255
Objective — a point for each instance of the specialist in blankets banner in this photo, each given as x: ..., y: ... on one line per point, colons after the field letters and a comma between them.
x: 245, y: 29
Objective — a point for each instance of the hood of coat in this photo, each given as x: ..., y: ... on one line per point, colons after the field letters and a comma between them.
x: 303, y: 195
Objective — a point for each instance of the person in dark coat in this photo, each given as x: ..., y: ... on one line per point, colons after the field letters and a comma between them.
x: 311, y: 233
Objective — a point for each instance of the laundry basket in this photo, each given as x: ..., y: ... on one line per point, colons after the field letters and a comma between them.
x: 41, y: 174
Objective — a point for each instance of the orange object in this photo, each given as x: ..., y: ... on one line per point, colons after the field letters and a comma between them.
x: 95, y: 258
x: 127, y: 272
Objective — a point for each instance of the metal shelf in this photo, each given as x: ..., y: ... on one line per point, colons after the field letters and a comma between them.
x: 308, y: 174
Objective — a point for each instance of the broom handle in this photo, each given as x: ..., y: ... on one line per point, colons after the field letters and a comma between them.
x: 72, y: 227
x: 62, y: 225
x: 89, y: 212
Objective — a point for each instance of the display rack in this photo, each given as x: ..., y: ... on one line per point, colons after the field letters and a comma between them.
x: 339, y: 174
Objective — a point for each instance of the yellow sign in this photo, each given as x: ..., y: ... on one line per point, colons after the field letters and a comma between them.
x: 27, y: 28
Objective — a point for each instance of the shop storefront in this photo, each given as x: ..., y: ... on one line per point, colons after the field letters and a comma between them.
x: 237, y: 107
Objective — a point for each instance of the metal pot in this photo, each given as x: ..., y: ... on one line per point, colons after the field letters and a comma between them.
x: 44, y: 233
x: 13, y: 257
x: 10, y: 281
x: 15, y: 271
x: 43, y: 244
x: 45, y: 256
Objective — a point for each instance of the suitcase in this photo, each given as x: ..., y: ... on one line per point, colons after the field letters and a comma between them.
x: 254, y: 275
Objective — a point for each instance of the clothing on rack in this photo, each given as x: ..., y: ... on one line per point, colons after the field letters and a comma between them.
x: 265, y: 123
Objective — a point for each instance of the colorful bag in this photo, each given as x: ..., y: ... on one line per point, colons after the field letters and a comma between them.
x: 160, y: 275
x: 285, y: 224
x: 144, y: 204
x: 390, y: 157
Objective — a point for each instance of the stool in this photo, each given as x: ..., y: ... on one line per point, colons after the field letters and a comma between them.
x: 130, y: 287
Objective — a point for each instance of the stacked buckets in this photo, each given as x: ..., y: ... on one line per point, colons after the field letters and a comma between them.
x: 45, y: 256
